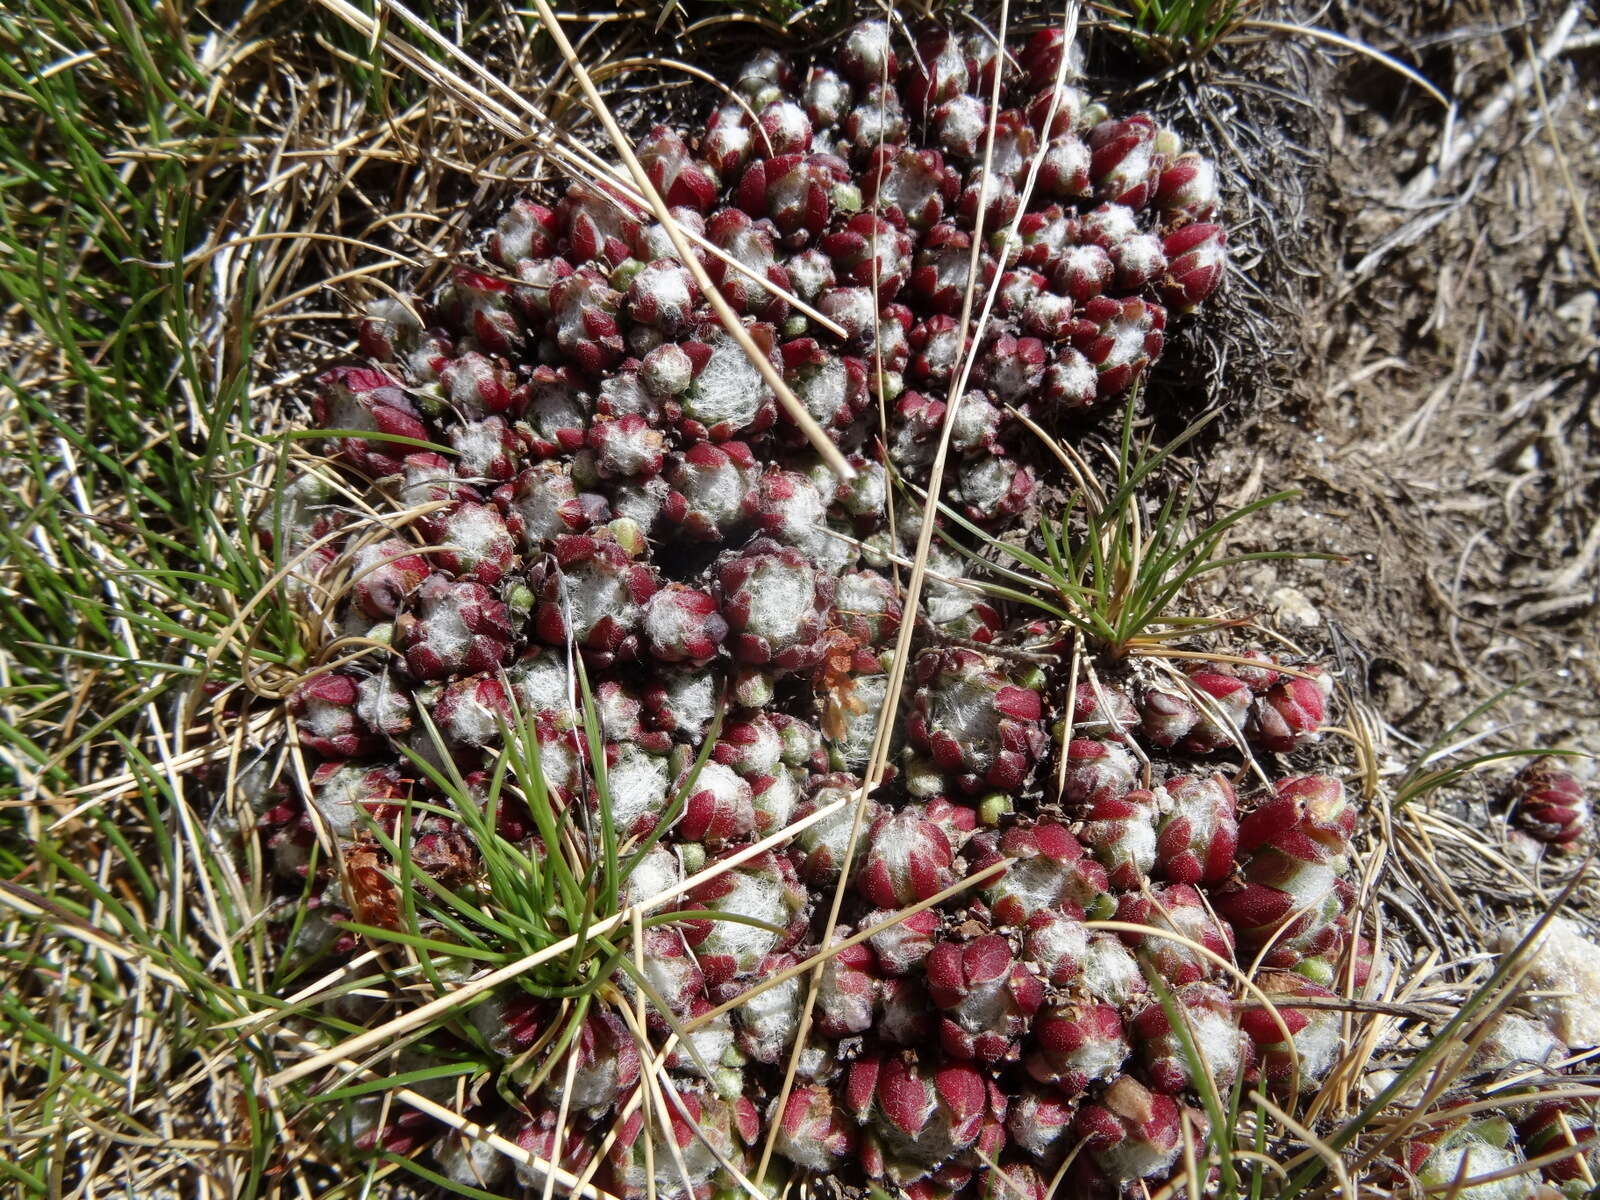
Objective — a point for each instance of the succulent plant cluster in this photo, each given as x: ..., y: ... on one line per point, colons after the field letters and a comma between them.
x: 622, y: 490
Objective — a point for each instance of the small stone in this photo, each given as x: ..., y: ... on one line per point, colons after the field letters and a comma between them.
x: 1291, y: 607
x: 1564, y: 965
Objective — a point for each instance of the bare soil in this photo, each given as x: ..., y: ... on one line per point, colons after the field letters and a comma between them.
x: 1445, y: 422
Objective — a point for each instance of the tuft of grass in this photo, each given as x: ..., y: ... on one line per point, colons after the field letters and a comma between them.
x: 1184, y: 33
x: 1173, y: 31
x: 556, y: 908
x: 145, y: 254
x: 1114, y: 566
x: 527, y: 903
x: 126, y: 937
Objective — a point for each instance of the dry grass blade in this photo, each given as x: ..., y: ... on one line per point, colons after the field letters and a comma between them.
x: 1315, y: 1144
x: 562, y: 1112
x: 1579, y: 210
x: 1063, y: 754
x: 38, y: 908
x: 1338, y: 39
x: 254, y: 1022
x: 638, y: 1024
x: 1519, y: 1099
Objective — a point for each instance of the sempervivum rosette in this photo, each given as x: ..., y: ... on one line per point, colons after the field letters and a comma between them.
x: 607, y: 545
x: 1550, y: 804
x: 1131, y: 1132
x: 974, y: 721
x: 1293, y: 899
x: 918, y: 1119
x: 987, y: 997
x: 775, y: 602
